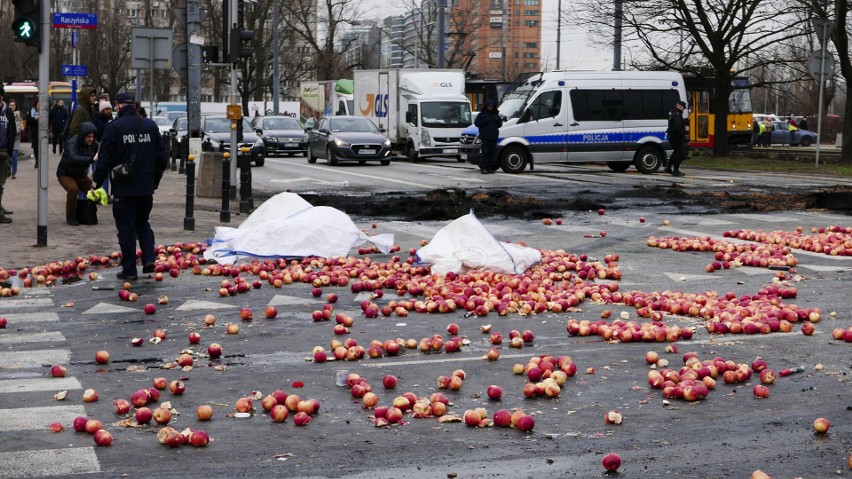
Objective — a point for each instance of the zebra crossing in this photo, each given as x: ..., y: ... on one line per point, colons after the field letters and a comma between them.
x: 27, y: 349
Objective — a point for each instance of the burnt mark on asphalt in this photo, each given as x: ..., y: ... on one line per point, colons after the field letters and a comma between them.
x: 445, y: 204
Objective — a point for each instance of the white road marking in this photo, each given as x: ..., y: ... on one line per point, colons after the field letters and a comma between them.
x: 31, y: 337
x: 106, y: 308
x: 193, y: 305
x: 815, y: 267
x: 446, y: 358
x: 40, y: 384
x: 688, y: 277
x: 35, y: 418
x: 373, y: 178
x: 23, y: 318
x: 33, y: 359
x: 284, y: 300
x: 49, y: 462
x: 17, y: 304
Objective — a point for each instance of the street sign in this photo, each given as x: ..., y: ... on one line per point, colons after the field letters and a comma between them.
x: 179, y: 60
x: 151, y: 48
x: 821, y: 65
x: 75, y: 20
x: 75, y: 70
x: 823, y: 29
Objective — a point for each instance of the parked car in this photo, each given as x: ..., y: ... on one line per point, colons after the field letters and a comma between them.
x: 347, y: 138
x: 216, y: 136
x: 173, y: 115
x: 781, y: 135
x: 281, y: 135
x: 164, y: 124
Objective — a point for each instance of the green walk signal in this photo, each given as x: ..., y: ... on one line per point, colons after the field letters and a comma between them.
x: 25, y: 27
x: 25, y: 30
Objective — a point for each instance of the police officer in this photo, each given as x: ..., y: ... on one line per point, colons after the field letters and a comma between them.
x: 131, y: 138
x: 489, y: 122
x: 676, y: 133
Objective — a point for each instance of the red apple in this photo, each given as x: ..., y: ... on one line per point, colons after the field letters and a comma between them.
x: 102, y: 357
x: 389, y: 381
x: 58, y: 371
x: 204, y: 412
x: 821, y: 425
x: 494, y: 392
x: 194, y: 338
x: 270, y: 312
x: 611, y: 462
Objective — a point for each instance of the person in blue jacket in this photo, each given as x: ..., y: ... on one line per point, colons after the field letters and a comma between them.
x: 489, y: 122
x: 132, y: 139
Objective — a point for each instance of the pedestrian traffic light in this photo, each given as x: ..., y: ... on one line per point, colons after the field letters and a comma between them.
x: 239, y: 39
x: 25, y: 27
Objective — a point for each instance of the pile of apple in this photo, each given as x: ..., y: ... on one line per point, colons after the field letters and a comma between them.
x: 841, y: 334
x: 546, y: 375
x: 172, y: 438
x: 279, y: 405
x: 832, y: 240
x: 629, y: 331
x: 453, y: 382
x: 94, y: 427
x: 728, y: 254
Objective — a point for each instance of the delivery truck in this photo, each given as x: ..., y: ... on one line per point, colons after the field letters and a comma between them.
x: 324, y: 98
x: 422, y: 111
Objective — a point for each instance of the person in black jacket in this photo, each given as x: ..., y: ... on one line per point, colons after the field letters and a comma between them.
x: 57, y: 119
x: 8, y: 132
x: 676, y: 133
x: 136, y: 140
x: 488, y: 121
x: 73, y: 168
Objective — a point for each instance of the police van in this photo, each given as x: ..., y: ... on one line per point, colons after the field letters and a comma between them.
x: 617, y: 117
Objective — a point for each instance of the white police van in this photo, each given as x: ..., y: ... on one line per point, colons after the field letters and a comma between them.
x: 617, y: 117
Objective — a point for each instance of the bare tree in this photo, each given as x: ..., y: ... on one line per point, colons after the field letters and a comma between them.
x: 319, y: 24
x: 702, y: 37
x: 840, y: 11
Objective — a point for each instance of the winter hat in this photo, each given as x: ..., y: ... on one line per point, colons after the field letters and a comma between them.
x: 103, y: 105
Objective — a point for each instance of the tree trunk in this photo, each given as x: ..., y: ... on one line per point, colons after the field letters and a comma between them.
x: 846, y: 152
x: 721, y: 93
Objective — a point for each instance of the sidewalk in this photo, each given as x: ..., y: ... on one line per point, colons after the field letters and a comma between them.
x: 18, y: 239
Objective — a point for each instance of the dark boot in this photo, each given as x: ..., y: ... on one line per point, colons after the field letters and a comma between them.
x: 72, y: 221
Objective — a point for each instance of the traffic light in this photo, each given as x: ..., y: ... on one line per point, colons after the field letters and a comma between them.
x: 25, y: 27
x: 239, y: 39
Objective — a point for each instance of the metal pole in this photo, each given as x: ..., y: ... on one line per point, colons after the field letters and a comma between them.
x: 616, y: 44
x: 821, y: 88
x: 138, y: 70
x: 225, y: 212
x: 151, y: 82
x: 442, y: 38
x: 235, y: 149
x: 505, y: 35
x: 558, y: 31
x: 193, y: 75
x: 43, y: 167
x: 189, y: 219
x: 276, y: 74
x: 245, y: 183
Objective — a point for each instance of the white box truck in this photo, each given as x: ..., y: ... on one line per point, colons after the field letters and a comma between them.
x: 423, y: 111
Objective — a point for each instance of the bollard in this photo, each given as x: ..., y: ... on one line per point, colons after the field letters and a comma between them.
x: 246, y: 200
x: 182, y: 167
x: 172, y: 162
x: 225, y: 213
x: 189, y: 219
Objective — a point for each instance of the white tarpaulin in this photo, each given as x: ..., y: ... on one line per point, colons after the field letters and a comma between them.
x: 465, y: 244
x: 287, y: 226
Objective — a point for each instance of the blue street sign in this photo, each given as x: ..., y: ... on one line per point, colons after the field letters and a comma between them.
x: 74, y: 70
x: 75, y: 20
x: 75, y: 39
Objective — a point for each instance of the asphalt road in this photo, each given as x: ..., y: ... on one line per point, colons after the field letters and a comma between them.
x: 730, y: 434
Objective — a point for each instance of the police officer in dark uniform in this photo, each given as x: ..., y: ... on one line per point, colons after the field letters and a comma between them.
x: 676, y: 133
x: 489, y: 122
x: 131, y: 138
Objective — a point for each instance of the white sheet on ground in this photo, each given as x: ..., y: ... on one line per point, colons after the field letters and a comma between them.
x: 465, y: 244
x: 288, y: 226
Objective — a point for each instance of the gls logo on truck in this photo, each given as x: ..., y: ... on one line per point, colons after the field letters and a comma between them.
x: 443, y: 84
x: 376, y: 105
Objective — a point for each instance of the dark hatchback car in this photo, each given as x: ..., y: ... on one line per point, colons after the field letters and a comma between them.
x: 281, y: 135
x: 347, y: 138
x: 216, y: 136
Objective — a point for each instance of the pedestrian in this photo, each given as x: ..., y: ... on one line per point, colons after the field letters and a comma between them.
x: 755, y: 133
x: 792, y: 127
x: 32, y: 125
x: 767, y: 133
x: 131, y: 139
x: 489, y: 122
x: 103, y: 117
x: 73, y: 168
x: 803, y: 124
x: 85, y: 111
x: 7, y: 144
x: 57, y: 119
x: 19, y: 128
x: 140, y: 110
x: 761, y: 133
x: 676, y: 133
